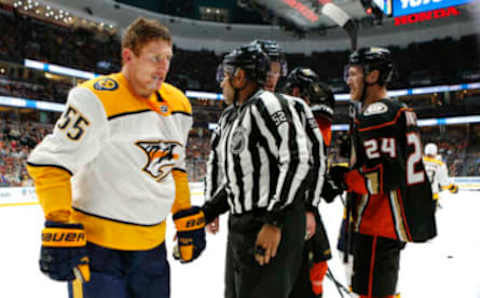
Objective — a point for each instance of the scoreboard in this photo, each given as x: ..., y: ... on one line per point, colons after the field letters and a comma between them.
x: 397, y: 8
x: 406, y: 7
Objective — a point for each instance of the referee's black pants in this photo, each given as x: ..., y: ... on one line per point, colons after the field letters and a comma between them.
x: 244, y: 277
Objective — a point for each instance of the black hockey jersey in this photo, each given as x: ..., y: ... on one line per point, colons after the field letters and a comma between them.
x: 388, y: 152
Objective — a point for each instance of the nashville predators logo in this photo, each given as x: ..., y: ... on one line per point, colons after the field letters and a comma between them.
x: 106, y: 85
x: 162, y: 156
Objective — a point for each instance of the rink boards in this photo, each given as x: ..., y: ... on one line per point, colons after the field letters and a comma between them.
x: 18, y: 196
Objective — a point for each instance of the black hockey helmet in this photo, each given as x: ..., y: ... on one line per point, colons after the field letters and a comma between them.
x: 318, y: 93
x: 274, y: 52
x: 251, y: 59
x: 370, y: 59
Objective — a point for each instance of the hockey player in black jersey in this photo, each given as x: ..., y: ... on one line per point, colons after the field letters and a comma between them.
x: 304, y: 83
x: 390, y: 192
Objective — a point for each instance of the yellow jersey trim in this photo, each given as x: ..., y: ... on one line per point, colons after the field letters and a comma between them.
x: 182, y: 193
x: 117, y: 235
x: 122, y: 100
x: 54, y: 191
x: 434, y: 160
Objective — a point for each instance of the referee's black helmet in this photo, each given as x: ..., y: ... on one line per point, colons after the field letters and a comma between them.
x: 251, y: 58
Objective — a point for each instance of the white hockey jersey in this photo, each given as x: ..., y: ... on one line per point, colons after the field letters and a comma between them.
x: 437, y: 174
x: 119, y: 151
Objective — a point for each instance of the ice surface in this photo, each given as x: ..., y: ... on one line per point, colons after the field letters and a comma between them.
x: 448, y: 266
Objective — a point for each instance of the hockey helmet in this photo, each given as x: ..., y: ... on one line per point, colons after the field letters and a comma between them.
x: 371, y: 59
x: 318, y: 93
x: 274, y: 52
x: 251, y: 59
x: 431, y: 149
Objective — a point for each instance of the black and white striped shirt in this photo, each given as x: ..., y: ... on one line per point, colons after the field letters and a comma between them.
x: 316, y: 148
x: 259, y: 155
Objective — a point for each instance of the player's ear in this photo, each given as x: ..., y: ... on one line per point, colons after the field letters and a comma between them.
x: 127, y: 55
x: 373, y: 76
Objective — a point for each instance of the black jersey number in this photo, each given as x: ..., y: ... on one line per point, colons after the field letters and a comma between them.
x: 73, y: 123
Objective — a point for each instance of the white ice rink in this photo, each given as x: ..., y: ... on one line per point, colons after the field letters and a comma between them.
x: 448, y: 266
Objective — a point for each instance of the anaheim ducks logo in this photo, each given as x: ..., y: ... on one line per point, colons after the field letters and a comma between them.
x: 162, y: 156
x: 106, y: 84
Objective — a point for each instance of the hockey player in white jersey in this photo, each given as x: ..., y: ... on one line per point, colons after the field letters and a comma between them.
x: 112, y: 171
x: 437, y: 172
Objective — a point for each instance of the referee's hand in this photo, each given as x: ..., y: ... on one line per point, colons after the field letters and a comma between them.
x: 267, y: 243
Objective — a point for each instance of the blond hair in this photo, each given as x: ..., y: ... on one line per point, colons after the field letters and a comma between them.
x: 141, y: 32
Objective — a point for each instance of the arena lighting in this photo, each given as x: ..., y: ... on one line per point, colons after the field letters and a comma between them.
x: 59, y: 69
x: 218, y: 96
x: 31, y: 104
x: 58, y: 107
x: 420, y: 122
x: 346, y: 96
x: 204, y: 95
x: 428, y: 122
x: 303, y: 9
x: 301, y: 16
x: 372, y: 9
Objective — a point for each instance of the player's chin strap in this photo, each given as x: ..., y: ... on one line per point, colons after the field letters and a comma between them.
x: 364, y: 89
x: 235, y: 92
x: 366, y: 84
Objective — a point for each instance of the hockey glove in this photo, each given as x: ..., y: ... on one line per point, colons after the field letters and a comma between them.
x: 330, y: 190
x: 337, y: 174
x: 453, y: 188
x: 63, y: 255
x: 317, y: 274
x: 190, y: 225
x: 349, y: 180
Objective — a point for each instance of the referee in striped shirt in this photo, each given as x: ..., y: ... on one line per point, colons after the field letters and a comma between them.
x: 263, y: 155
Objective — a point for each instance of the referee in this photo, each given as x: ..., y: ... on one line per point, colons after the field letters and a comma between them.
x: 262, y: 153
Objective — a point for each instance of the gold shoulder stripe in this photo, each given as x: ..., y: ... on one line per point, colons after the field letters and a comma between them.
x: 434, y: 160
x: 114, y: 93
x: 176, y: 99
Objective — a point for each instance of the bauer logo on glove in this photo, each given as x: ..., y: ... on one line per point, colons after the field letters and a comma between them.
x: 190, y: 225
x: 63, y: 254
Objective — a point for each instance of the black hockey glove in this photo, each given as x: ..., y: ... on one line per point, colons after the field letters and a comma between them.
x: 190, y: 225
x: 337, y: 174
x: 329, y: 190
x: 349, y: 180
x: 63, y: 255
